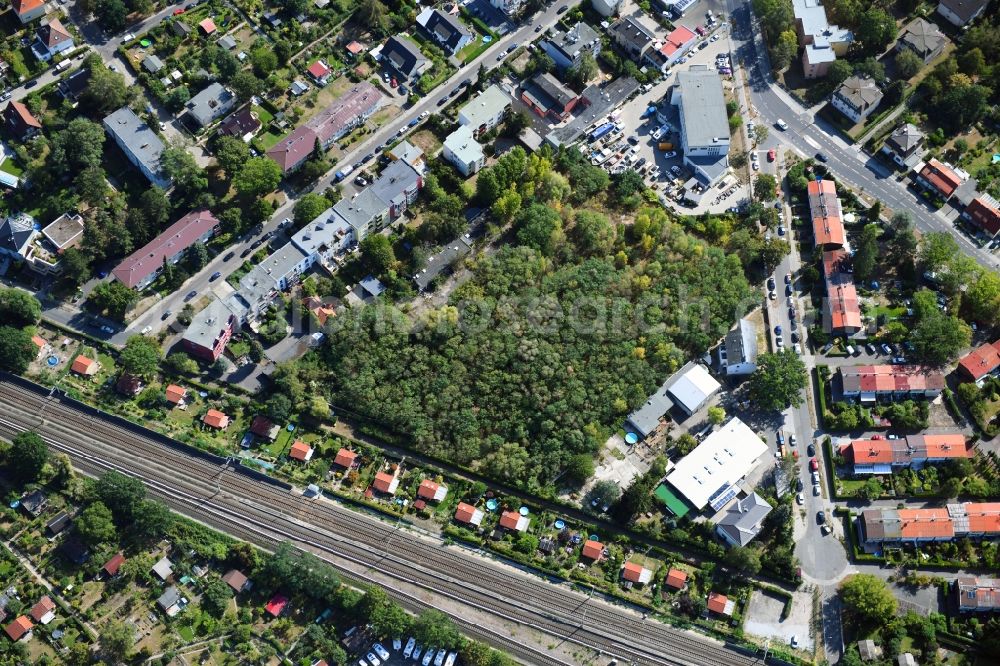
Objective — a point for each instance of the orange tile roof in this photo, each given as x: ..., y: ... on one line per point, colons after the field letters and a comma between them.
x: 355, y: 48
x: 300, y: 451
x: 592, y: 550
x: 18, y: 628
x: 940, y: 177
x: 676, y: 578
x: 25, y: 6
x: 112, y: 566
x: 981, y: 361
x: 824, y: 208
x: 175, y: 393
x: 633, y: 572
x: 44, y: 606
x: 38, y: 340
x: 318, y: 308
x: 384, y: 482
x: 345, y: 458
x: 717, y: 603
x: 207, y: 26
x: 870, y: 451
x: 925, y: 523
x: 984, y: 517
x: 82, y: 365
x: 215, y: 419
x: 509, y: 519
x: 841, y: 308
x: 947, y: 446
x: 464, y: 512
x: 427, y: 489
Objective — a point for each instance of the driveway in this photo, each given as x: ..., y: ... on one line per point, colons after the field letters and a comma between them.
x: 763, y: 619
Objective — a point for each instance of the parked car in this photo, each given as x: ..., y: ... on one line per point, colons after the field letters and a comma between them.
x: 820, y: 517
x: 813, y: 465
x: 380, y: 651
x: 800, y: 498
x: 815, y: 478
x: 782, y: 125
x: 777, y: 330
x: 410, y: 645
x: 191, y: 294
x: 822, y: 157
x: 215, y: 276
x: 373, y: 660
x: 811, y: 449
x: 228, y: 256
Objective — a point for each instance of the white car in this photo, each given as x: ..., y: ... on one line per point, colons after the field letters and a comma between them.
x: 816, y: 490
x: 756, y: 166
x: 676, y: 170
x: 782, y: 125
x: 417, y: 651
x: 373, y: 660
x: 397, y: 644
x: 410, y: 644
x: 657, y: 133
x: 439, y: 659
x: 672, y: 153
x: 800, y: 498
x: 380, y: 651
x: 428, y: 657
x: 795, y: 641
x: 147, y: 330
x: 127, y: 38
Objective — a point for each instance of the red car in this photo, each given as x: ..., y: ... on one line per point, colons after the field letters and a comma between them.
x: 813, y: 465
x: 771, y: 154
x: 876, y: 436
x: 178, y: 11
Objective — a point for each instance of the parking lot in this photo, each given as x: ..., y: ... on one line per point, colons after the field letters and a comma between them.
x: 653, y: 138
x: 764, y: 619
x: 395, y: 657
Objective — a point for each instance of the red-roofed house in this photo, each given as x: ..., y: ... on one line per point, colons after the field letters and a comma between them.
x: 824, y: 208
x: 514, y: 521
x: 39, y: 342
x: 981, y: 361
x: 19, y: 123
x: 300, y: 451
x: 636, y: 573
x: 841, y: 308
x: 44, y: 611
x: 321, y: 310
x: 936, y: 176
x: 112, y: 566
x: 176, y: 394
x: 320, y: 73
x: 207, y: 27
x: 28, y: 10
x: 355, y: 49
x: 19, y: 628
x: 720, y: 603
x: 345, y: 458
x: 141, y: 267
x: 984, y: 212
x: 870, y: 383
x: 216, y: 419
x: 85, y: 366
x: 677, y: 44
x: 386, y: 483
x: 432, y: 491
x: 352, y: 109
x: 468, y: 514
x: 277, y: 605
x: 676, y: 579
x: 592, y: 550
x: 881, y: 456
x: 977, y: 594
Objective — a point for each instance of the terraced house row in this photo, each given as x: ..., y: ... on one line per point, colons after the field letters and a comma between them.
x: 878, y: 527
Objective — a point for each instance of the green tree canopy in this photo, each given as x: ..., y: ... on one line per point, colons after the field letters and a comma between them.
x: 778, y: 381
x: 868, y: 600
x: 96, y: 525
x: 257, y: 177
x: 308, y: 208
x: 140, y: 356
x: 17, y: 350
x: 19, y: 308
x: 27, y: 457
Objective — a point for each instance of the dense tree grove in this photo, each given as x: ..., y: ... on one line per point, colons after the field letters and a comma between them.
x: 552, y: 341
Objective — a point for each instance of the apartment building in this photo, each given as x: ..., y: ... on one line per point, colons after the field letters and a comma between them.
x: 885, y: 456
x: 704, y: 133
x: 870, y: 383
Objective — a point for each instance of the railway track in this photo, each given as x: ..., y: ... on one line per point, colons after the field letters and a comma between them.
x: 266, y: 514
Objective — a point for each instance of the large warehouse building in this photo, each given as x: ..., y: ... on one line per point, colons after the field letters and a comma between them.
x: 709, y: 474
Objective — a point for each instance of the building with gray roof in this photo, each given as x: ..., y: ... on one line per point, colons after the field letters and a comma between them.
x: 486, y: 110
x: 743, y: 520
x: 857, y: 97
x: 446, y: 30
x: 446, y: 257
x: 738, y: 354
x: 704, y: 134
x: 923, y: 38
x: 152, y: 64
x: 364, y: 212
x: 398, y: 186
x: 211, y: 104
x: 463, y: 151
x: 139, y: 142
x: 567, y: 48
x: 326, y: 239
x: 631, y: 36
x: 403, y: 56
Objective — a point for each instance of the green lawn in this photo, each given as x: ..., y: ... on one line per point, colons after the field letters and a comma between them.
x: 266, y: 140
x: 262, y: 113
x: 280, y: 445
x: 850, y: 487
x: 10, y: 166
x: 473, y: 49
x: 890, y: 312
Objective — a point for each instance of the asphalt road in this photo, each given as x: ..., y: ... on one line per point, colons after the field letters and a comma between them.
x: 809, y: 135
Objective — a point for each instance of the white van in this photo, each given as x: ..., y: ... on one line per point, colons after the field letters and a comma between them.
x: 850, y: 350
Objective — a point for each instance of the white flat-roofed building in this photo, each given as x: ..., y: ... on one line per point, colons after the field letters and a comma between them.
x: 726, y: 456
x: 463, y: 151
x: 692, y: 387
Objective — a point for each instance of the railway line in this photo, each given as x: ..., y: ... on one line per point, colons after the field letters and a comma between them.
x: 356, y: 543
